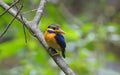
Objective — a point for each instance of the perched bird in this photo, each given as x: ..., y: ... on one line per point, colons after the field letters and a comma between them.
x: 55, y: 39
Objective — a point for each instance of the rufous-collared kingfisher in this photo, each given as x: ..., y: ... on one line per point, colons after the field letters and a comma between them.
x: 55, y: 39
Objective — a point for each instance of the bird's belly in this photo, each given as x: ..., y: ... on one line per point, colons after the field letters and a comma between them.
x: 53, y: 44
x: 51, y: 41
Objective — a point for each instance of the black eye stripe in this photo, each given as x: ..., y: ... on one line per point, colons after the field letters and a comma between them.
x: 54, y: 28
x: 51, y: 27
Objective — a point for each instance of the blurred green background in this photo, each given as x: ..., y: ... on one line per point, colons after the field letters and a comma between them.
x: 92, y: 36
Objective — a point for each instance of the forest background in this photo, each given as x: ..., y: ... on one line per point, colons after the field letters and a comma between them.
x: 92, y: 36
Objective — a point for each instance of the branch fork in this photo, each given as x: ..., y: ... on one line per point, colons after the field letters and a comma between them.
x: 33, y: 27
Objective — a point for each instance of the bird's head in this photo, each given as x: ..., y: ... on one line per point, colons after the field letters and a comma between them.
x: 55, y: 28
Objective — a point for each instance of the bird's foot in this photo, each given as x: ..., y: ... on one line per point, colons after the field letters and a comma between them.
x: 53, y: 51
x: 48, y: 48
x: 55, y: 54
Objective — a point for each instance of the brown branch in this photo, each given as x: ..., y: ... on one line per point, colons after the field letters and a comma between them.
x: 33, y: 27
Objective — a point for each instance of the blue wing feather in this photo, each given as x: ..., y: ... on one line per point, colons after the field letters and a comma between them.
x: 61, y: 41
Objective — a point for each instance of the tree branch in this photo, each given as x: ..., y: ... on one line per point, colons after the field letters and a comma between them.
x: 39, y: 11
x: 33, y: 27
x: 10, y: 7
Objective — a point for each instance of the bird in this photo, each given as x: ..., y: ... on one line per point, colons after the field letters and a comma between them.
x: 54, y: 38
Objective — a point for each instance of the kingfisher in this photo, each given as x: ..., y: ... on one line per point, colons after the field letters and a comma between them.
x: 54, y: 38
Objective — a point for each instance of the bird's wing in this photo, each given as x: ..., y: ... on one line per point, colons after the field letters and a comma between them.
x: 61, y: 41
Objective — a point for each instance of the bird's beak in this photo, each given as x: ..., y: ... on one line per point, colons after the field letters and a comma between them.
x: 60, y: 31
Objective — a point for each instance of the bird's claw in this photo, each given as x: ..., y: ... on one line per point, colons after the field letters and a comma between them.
x: 55, y: 54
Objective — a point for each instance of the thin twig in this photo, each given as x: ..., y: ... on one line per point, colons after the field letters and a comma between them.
x: 9, y: 7
x: 29, y: 11
x: 21, y: 3
x: 10, y: 23
x: 39, y: 12
x: 25, y: 35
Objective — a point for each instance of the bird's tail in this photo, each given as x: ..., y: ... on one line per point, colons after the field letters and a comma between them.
x: 63, y: 53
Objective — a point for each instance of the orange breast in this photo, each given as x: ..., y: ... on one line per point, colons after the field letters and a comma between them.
x: 51, y: 41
